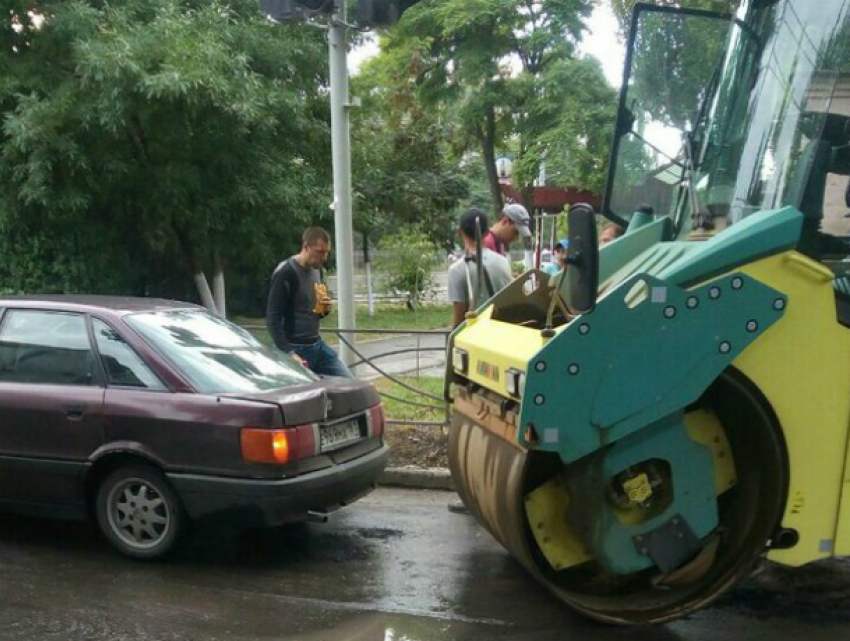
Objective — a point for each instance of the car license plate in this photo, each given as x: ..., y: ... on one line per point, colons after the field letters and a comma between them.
x: 337, y: 435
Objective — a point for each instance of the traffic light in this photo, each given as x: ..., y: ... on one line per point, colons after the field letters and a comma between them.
x: 295, y: 9
x: 380, y: 13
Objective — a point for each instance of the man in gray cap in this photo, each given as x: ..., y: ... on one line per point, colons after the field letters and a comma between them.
x: 513, y: 223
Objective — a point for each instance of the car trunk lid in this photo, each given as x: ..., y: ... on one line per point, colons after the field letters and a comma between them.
x: 323, y: 401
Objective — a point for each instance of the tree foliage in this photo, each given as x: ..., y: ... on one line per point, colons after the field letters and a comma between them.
x: 171, y: 131
x: 404, y: 170
x: 407, y: 259
x: 573, y: 133
x: 503, y: 71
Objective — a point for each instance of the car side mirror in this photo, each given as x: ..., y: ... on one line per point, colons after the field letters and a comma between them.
x: 582, y: 259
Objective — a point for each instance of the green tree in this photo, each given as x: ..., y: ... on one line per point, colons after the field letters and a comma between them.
x: 194, y: 131
x: 501, y: 70
x: 573, y: 133
x: 404, y: 169
x: 407, y: 259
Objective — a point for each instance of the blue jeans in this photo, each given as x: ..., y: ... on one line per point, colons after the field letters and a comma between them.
x: 322, y: 359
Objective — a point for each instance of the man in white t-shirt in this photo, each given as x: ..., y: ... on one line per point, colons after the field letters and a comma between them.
x: 463, y: 274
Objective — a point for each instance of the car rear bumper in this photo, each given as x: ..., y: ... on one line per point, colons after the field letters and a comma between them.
x: 275, y: 502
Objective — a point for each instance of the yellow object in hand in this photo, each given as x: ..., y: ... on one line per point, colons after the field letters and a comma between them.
x: 323, y: 300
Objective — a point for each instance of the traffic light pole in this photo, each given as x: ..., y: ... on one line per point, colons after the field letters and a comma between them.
x: 340, y: 145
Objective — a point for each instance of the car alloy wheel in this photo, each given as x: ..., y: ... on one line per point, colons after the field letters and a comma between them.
x: 139, y: 512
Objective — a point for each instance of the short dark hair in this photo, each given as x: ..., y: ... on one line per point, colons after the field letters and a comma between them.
x: 313, y: 235
x: 467, y: 222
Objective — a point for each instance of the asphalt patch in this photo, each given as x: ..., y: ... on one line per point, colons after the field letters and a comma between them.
x: 816, y: 593
x: 379, y: 533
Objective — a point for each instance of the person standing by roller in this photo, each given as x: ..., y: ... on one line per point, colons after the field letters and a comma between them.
x: 464, y: 291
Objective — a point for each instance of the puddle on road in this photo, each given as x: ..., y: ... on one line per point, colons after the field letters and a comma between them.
x: 401, y: 627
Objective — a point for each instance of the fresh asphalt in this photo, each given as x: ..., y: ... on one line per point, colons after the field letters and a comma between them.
x: 396, y: 566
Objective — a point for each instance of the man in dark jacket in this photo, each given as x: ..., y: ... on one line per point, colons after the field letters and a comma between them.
x: 298, y: 300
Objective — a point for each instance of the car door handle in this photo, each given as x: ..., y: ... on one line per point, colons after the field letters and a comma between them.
x: 74, y: 412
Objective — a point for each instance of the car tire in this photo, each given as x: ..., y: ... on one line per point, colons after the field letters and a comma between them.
x: 140, y: 513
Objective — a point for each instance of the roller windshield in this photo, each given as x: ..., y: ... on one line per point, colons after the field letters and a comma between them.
x: 766, y: 125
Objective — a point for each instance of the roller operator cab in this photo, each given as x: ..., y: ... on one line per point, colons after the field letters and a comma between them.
x: 640, y: 450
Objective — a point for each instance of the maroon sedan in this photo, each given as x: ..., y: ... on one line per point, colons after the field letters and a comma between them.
x: 151, y: 413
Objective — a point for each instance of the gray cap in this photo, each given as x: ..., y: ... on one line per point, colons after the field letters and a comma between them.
x: 519, y: 216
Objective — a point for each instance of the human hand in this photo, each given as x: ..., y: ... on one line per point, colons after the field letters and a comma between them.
x: 299, y: 360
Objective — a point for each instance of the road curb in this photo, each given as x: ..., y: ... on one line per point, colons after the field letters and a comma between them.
x: 422, y: 478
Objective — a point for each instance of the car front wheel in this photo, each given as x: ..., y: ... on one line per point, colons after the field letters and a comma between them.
x: 140, y: 513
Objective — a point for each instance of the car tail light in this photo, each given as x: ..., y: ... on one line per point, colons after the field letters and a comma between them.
x: 261, y: 445
x: 375, y: 421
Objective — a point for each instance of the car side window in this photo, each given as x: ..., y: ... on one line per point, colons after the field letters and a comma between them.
x: 123, y: 366
x: 45, y: 347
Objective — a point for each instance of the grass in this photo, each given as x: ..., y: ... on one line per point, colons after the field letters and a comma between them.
x: 418, y: 445
x: 387, y: 316
x: 400, y: 410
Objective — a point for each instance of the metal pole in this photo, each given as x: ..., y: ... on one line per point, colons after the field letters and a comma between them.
x: 342, y: 176
x: 369, y: 289
x: 479, y: 267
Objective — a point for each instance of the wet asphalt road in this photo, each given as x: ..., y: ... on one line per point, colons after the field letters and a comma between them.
x: 398, y: 566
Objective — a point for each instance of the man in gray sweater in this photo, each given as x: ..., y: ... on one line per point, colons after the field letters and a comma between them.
x: 298, y: 300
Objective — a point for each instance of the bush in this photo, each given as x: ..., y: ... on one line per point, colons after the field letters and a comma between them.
x: 406, y: 259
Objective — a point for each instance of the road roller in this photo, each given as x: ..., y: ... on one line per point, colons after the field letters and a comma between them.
x: 672, y: 409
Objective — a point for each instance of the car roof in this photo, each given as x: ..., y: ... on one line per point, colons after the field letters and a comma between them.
x: 118, y: 305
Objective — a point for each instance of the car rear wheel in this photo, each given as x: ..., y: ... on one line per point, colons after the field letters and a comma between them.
x: 140, y: 513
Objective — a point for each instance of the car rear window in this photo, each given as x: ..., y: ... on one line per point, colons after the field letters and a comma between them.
x: 216, y: 356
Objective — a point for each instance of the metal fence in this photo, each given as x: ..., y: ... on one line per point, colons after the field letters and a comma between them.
x: 409, y: 344
x: 414, y: 353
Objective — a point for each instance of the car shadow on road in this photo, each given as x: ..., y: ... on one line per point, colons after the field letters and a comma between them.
x: 266, y: 547
x: 71, y: 536
x: 223, y: 545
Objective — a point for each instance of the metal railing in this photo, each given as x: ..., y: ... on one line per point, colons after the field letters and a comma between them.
x: 422, y: 360
x: 433, y: 402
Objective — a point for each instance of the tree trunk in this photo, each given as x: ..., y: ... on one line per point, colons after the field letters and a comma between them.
x: 203, y: 286
x: 527, y: 194
x: 218, y: 287
x: 185, y: 242
x: 526, y: 191
x: 488, y: 151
